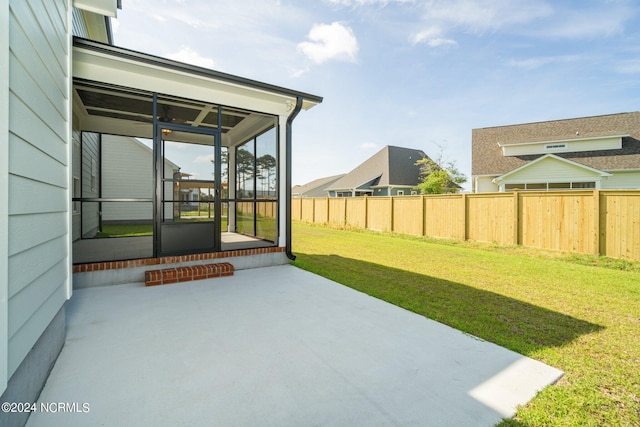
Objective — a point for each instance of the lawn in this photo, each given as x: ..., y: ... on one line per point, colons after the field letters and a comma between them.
x: 578, y: 313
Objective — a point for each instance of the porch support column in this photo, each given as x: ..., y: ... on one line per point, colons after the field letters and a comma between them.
x: 231, y: 185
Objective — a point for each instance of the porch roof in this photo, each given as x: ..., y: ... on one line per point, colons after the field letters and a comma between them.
x: 113, y: 87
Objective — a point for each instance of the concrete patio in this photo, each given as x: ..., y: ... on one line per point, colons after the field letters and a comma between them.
x: 274, y: 346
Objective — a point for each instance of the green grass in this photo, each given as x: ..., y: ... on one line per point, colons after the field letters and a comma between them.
x: 578, y: 313
x: 126, y: 230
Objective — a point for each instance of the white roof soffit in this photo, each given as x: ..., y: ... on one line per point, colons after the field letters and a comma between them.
x: 122, y: 67
x: 102, y: 7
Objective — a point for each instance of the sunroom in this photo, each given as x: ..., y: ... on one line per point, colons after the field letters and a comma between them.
x: 172, y: 160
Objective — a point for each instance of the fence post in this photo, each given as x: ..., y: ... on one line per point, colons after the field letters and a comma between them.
x: 516, y: 217
x: 366, y: 212
x: 328, y: 210
x: 344, y: 222
x: 465, y: 218
x: 424, y: 215
x: 391, y: 214
x: 596, y: 222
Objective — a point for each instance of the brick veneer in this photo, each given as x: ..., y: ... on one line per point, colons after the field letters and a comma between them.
x: 114, y: 265
x: 166, y: 276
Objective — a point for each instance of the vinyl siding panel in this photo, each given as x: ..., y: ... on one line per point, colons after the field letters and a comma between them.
x: 569, y: 147
x: 90, y: 153
x: 26, y: 89
x: 38, y: 172
x: 484, y: 185
x: 49, y: 41
x: 25, y: 302
x: 27, y: 266
x: 622, y: 180
x: 79, y: 24
x: 552, y: 170
x: 128, y: 173
x: 26, y: 124
x: 27, y: 196
x: 27, y: 231
x: 39, y: 167
x: 21, y: 342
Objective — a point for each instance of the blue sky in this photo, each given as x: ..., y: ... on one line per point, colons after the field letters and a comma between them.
x: 417, y: 74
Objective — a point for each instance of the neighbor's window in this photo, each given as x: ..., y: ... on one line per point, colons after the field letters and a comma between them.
x: 550, y: 186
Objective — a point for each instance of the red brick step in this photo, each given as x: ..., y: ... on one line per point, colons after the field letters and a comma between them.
x: 187, y: 273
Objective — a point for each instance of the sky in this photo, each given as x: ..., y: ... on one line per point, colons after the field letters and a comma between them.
x: 412, y: 73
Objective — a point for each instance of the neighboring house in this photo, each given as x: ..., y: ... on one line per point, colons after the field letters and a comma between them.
x: 315, y: 188
x: 390, y: 172
x: 57, y: 89
x: 589, y: 152
x: 115, y: 167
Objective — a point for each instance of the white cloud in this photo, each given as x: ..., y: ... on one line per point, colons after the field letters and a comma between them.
x: 483, y: 15
x: 298, y: 72
x: 366, y: 2
x: 190, y: 56
x: 205, y: 159
x: 432, y: 37
x: 533, y: 63
x: 333, y: 41
x: 631, y: 66
x: 579, y: 23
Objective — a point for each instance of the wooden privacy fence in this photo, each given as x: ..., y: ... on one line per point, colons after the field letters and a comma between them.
x: 604, y: 222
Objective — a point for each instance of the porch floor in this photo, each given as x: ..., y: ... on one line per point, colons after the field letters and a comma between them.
x: 119, y: 248
x: 274, y: 346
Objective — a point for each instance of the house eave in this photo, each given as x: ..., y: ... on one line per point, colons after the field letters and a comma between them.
x: 93, y: 47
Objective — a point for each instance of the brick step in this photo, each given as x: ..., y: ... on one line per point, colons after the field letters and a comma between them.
x: 187, y: 273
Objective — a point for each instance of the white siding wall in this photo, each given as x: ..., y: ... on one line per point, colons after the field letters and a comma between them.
x: 79, y: 24
x: 484, y: 185
x: 622, y: 180
x: 128, y: 173
x: 575, y: 146
x: 552, y: 170
x: 38, y: 176
x: 76, y: 165
x: 4, y: 190
x: 90, y: 149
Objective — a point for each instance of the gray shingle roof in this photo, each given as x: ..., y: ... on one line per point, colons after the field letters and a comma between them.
x: 388, y: 167
x: 315, y: 188
x: 487, y: 158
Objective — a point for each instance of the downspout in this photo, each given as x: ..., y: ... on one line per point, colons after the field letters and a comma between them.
x: 290, y: 119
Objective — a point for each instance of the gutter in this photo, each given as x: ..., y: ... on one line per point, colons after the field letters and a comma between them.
x: 289, y: 127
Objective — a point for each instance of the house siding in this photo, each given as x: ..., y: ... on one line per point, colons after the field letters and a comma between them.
x: 622, y: 180
x: 79, y: 24
x: 552, y: 170
x: 90, y: 154
x: 38, y: 244
x: 130, y: 179
x: 598, y: 144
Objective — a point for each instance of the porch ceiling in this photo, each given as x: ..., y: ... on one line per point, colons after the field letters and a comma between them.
x: 126, y: 111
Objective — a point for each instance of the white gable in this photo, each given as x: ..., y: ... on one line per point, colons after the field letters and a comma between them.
x: 551, y: 168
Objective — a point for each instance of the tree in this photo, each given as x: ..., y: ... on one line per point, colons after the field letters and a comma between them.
x: 266, y: 166
x: 437, y: 179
